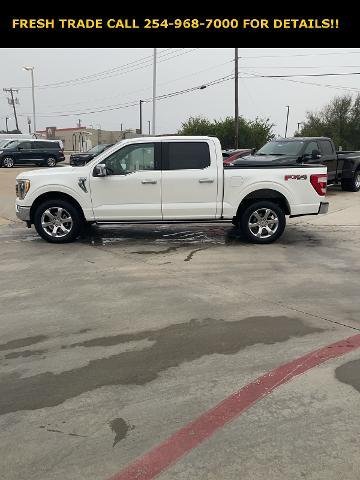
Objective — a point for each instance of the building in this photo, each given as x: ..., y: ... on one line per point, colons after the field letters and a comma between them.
x: 81, y: 139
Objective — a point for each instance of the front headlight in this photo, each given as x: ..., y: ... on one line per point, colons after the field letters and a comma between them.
x: 22, y: 187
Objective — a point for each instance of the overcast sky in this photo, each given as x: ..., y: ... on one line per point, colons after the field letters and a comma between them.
x: 128, y: 79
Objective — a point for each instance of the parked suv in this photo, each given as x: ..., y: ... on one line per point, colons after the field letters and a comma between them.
x: 39, y: 152
x: 82, y: 158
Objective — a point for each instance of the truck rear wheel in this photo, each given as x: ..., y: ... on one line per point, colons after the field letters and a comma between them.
x: 58, y: 221
x: 351, y: 184
x: 262, y: 222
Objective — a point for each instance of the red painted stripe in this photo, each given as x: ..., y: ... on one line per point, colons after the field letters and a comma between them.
x: 171, y: 450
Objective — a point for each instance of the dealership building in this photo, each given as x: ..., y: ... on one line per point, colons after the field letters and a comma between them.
x: 81, y: 139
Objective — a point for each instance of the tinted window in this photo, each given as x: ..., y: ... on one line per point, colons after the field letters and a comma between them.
x: 131, y: 158
x: 51, y: 145
x: 24, y: 146
x: 310, y: 147
x: 37, y: 145
x: 326, y: 147
x: 44, y: 145
x: 187, y: 155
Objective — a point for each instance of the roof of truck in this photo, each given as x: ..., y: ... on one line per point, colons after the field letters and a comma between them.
x: 293, y: 139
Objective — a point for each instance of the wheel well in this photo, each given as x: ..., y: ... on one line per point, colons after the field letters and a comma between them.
x: 52, y: 196
x: 264, y: 194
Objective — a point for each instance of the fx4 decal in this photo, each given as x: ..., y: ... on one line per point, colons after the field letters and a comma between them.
x: 295, y: 177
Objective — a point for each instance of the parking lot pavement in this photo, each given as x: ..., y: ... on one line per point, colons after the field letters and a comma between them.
x: 7, y: 191
x: 110, y: 345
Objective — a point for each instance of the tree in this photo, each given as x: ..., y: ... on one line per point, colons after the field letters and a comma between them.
x: 252, y: 133
x: 339, y: 119
x: 197, y: 126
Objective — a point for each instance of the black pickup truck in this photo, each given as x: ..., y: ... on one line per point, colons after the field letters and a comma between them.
x: 342, y: 167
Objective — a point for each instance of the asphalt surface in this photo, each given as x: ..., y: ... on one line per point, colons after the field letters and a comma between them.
x: 111, y: 344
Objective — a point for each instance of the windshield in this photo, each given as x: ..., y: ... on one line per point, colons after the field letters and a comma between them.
x: 4, y: 142
x: 97, y: 149
x: 281, y: 148
x: 11, y: 144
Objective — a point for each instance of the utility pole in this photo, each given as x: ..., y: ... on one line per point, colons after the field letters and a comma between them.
x: 299, y: 123
x: 154, y: 93
x: 149, y: 125
x: 141, y: 102
x: 6, y: 121
x: 12, y: 102
x: 287, y: 119
x: 236, y: 98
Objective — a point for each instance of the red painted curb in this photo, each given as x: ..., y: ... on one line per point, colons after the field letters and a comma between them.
x: 171, y: 450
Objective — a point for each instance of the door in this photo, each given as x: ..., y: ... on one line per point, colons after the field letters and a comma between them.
x: 131, y: 190
x: 328, y: 158
x: 189, y: 180
x: 24, y: 153
x: 38, y: 151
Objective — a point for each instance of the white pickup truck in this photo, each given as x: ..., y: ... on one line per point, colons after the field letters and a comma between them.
x: 169, y: 179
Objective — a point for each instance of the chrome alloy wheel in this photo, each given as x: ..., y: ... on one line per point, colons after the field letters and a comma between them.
x: 51, y: 162
x: 56, y: 222
x: 357, y: 179
x: 263, y: 223
x: 8, y: 162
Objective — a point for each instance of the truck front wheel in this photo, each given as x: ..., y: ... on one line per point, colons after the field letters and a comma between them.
x: 262, y: 222
x: 58, y: 221
x: 351, y: 184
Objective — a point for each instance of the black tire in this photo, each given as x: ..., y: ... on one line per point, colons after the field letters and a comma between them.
x: 351, y: 184
x: 68, y: 211
x: 7, y: 162
x: 50, y: 162
x: 257, y: 212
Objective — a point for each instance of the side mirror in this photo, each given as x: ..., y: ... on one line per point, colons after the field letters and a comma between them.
x: 253, y: 151
x: 100, y: 170
x: 315, y: 154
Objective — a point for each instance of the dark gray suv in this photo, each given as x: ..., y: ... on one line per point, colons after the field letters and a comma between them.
x: 39, y: 152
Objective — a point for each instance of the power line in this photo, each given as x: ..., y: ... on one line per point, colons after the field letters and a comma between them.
x: 149, y: 88
x: 97, y: 78
x: 135, y: 102
x: 309, y: 75
x: 339, y: 87
x: 199, y: 87
x: 131, y: 67
x: 111, y: 70
x: 144, y: 62
x: 301, y: 66
x: 303, y: 55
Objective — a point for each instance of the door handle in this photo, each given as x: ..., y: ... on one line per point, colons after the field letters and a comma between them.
x: 149, y: 181
x: 206, y: 180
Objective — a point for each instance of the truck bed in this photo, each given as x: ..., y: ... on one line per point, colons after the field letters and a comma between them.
x: 276, y: 163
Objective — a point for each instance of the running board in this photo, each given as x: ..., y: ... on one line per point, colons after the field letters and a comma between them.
x: 159, y: 222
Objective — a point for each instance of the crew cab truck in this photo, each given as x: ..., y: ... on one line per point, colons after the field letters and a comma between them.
x: 168, y: 179
x: 343, y: 167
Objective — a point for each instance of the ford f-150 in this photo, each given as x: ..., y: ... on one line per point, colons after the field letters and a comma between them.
x: 169, y: 179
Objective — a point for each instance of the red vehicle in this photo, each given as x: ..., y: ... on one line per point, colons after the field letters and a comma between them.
x: 235, y: 155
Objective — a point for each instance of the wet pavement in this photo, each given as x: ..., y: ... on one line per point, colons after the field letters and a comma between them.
x: 113, y: 343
